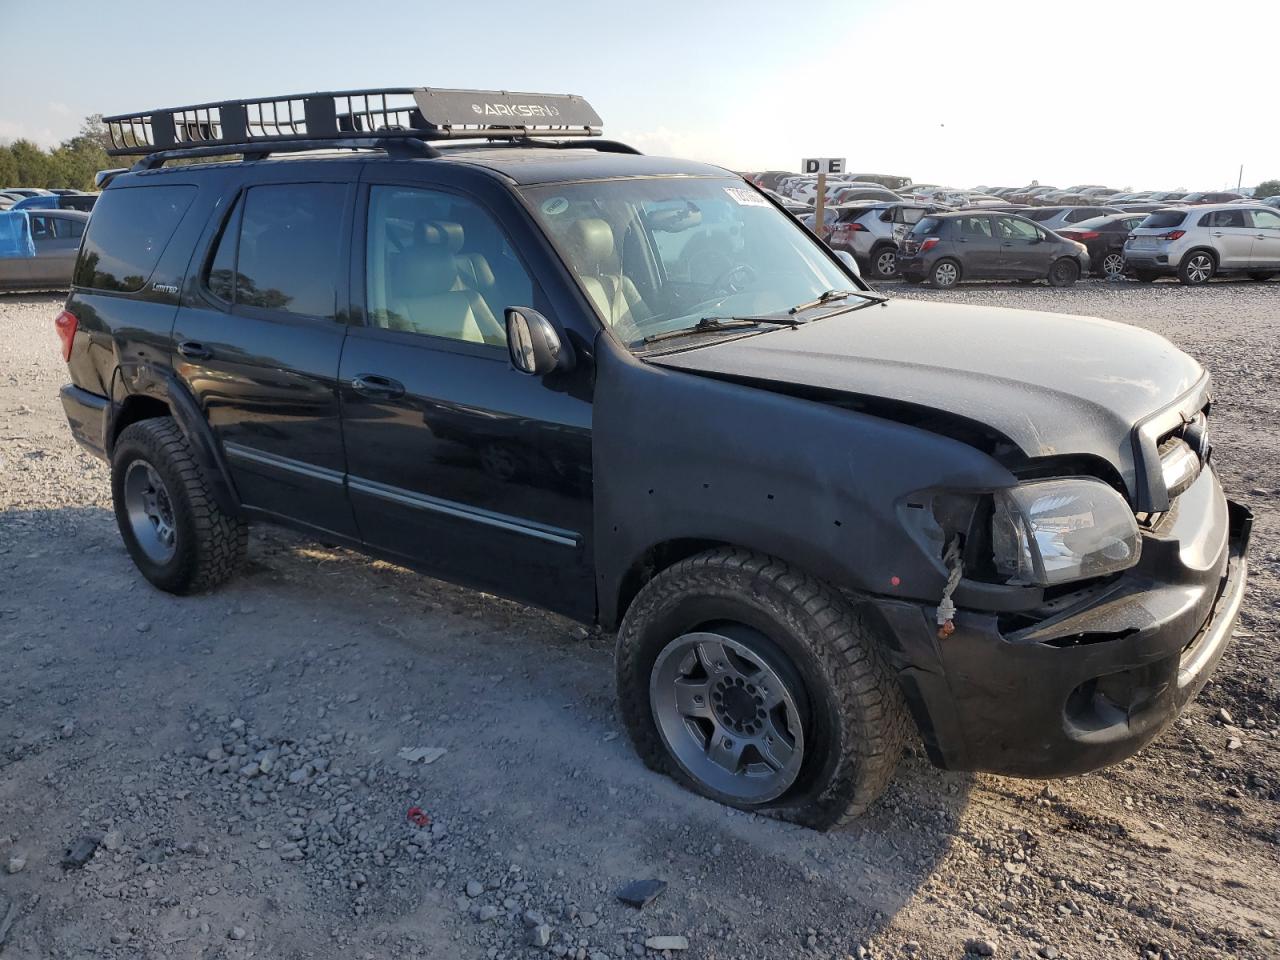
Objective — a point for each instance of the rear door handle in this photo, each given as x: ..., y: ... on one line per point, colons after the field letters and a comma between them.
x: 194, y: 350
x: 377, y: 387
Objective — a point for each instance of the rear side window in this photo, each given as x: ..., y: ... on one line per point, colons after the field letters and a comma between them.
x: 1039, y: 216
x: 130, y: 229
x: 280, y: 249
x: 1164, y: 218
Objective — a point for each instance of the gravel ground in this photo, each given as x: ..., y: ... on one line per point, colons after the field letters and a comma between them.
x: 229, y: 764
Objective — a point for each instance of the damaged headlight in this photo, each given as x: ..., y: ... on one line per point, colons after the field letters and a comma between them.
x: 1053, y: 531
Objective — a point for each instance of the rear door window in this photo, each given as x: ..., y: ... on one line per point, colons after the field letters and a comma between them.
x: 1266, y: 220
x: 287, y: 248
x: 975, y: 227
x: 130, y: 229
x: 1223, y: 218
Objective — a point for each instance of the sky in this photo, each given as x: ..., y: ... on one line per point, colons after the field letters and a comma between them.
x: 1137, y: 95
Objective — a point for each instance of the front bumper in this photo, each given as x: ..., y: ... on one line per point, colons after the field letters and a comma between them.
x: 1094, y: 682
x: 87, y: 417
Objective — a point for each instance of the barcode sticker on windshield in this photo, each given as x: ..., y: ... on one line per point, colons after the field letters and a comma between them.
x: 746, y: 197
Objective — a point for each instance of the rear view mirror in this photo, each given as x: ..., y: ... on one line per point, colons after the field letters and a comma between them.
x: 534, y: 345
x: 847, y: 258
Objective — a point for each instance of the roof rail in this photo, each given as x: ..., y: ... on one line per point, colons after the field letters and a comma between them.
x: 349, y: 118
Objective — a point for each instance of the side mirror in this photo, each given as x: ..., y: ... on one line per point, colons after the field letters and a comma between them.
x: 848, y: 259
x: 533, y: 343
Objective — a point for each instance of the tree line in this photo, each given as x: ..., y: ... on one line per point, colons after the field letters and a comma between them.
x: 71, y: 165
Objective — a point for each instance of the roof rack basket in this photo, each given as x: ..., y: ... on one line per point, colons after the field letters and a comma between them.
x: 351, y: 117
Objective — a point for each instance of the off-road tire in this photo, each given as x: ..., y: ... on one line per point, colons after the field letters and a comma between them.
x: 1187, y: 268
x: 858, y: 721
x: 209, y: 544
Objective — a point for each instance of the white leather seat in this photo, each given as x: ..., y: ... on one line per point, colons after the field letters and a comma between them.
x: 591, y: 248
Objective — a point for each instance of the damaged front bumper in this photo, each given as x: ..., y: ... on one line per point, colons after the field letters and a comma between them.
x: 1094, y: 681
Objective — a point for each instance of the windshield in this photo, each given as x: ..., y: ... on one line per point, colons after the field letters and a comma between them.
x: 657, y: 255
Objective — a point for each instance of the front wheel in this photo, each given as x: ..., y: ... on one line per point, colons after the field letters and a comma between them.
x: 1063, y: 273
x: 760, y: 687
x: 170, y: 523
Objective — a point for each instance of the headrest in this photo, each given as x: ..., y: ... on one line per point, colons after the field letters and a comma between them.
x: 424, y: 271
x: 443, y: 232
x: 591, y: 242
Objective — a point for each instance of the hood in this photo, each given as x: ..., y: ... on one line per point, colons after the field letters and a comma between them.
x: 1050, y: 383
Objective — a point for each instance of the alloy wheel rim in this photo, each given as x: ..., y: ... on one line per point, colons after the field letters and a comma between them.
x: 1199, y: 268
x: 1113, y: 265
x: 150, y: 511
x: 887, y: 263
x: 727, y: 716
x: 945, y: 275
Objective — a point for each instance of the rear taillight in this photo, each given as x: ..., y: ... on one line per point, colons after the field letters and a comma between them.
x: 1173, y: 235
x: 928, y: 244
x: 1087, y: 235
x: 1070, y: 234
x: 66, y: 324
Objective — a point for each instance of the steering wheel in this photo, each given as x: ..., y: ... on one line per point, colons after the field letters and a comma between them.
x: 734, y: 279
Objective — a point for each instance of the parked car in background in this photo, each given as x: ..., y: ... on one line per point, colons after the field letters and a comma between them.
x: 1104, y: 237
x: 855, y: 194
x: 946, y: 248
x: 1195, y: 244
x: 68, y: 200
x: 873, y: 232
x: 788, y: 204
x: 38, y: 248
x: 1028, y: 194
x: 1144, y: 206
x: 1211, y: 196
x: 887, y: 180
x: 26, y: 191
x: 1271, y: 201
x: 1053, y: 218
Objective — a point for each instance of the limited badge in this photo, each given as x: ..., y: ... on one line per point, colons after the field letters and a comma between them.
x: 553, y: 206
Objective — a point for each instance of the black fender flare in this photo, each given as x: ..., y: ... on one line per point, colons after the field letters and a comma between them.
x: 162, y: 386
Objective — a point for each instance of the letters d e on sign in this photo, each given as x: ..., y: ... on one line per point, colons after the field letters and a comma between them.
x: 822, y: 165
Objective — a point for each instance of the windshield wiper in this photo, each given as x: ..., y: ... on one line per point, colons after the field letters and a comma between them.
x: 708, y: 324
x: 831, y: 296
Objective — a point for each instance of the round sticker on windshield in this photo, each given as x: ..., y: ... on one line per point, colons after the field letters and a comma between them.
x: 554, y: 205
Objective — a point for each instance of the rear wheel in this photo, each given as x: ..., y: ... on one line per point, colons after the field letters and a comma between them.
x: 170, y: 523
x: 760, y: 687
x: 884, y: 262
x: 1063, y: 273
x: 1112, y: 265
x: 1197, y: 268
x: 946, y: 273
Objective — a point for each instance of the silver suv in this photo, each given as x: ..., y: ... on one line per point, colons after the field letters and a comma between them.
x: 872, y: 233
x: 1197, y: 243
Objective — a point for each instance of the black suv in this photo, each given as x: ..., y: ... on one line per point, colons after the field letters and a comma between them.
x: 476, y: 341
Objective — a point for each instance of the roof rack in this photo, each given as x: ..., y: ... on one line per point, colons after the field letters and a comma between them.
x: 348, y: 118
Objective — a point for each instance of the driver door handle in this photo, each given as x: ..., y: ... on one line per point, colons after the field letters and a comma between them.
x: 377, y: 387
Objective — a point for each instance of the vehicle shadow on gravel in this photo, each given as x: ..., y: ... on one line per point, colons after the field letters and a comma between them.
x: 538, y: 796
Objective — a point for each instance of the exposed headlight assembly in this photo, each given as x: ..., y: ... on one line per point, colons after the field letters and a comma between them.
x: 1048, y: 532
